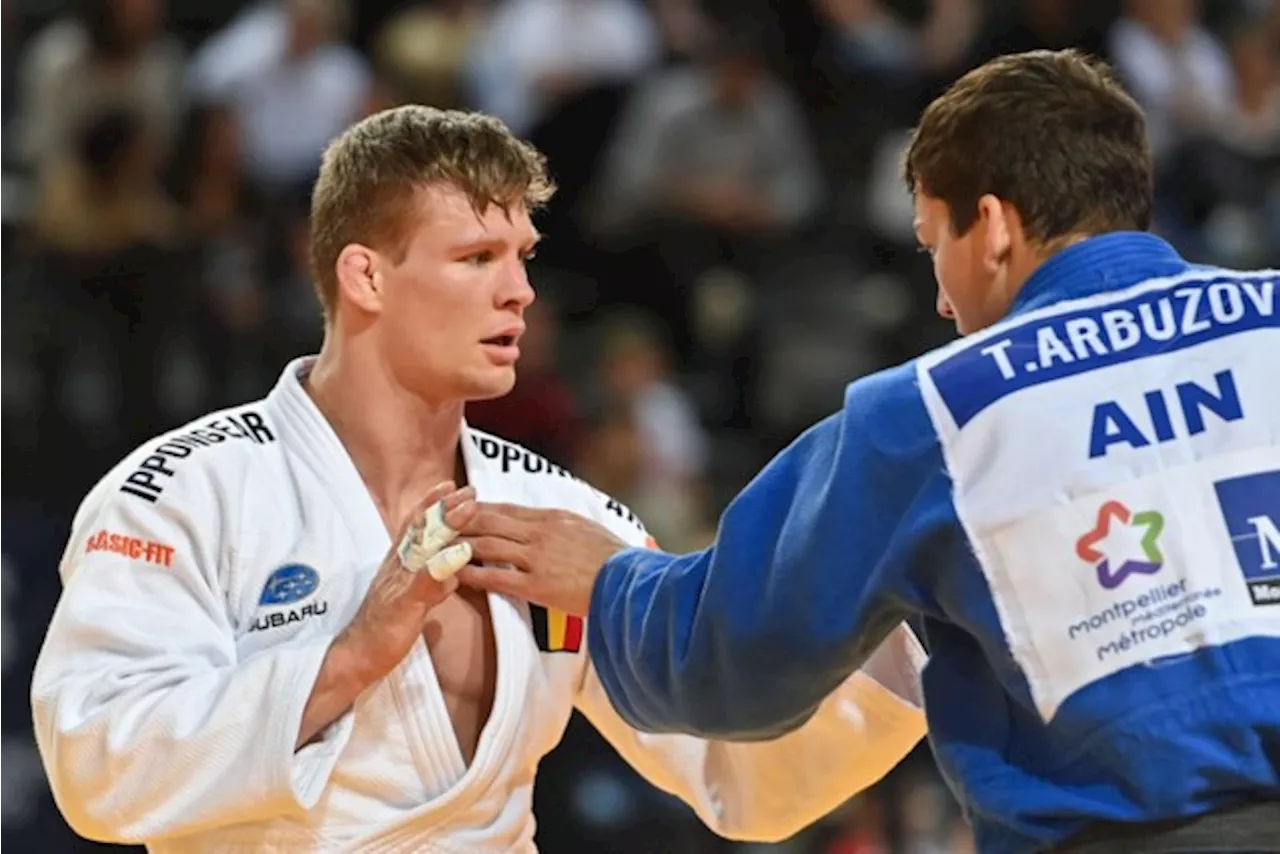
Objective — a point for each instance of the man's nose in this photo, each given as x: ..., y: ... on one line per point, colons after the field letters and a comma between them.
x: 944, y: 306
x: 516, y: 289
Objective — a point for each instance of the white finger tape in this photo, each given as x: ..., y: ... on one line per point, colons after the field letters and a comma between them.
x: 424, y: 540
x: 436, y: 534
x: 446, y: 564
x: 409, y: 547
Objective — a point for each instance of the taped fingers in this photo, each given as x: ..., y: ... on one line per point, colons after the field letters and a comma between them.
x: 436, y: 533
x: 426, y: 538
x: 445, y: 564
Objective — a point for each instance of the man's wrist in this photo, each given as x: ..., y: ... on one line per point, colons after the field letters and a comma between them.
x: 340, y: 681
x: 597, y: 583
x: 348, y: 670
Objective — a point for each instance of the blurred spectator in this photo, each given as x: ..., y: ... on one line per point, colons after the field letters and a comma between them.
x: 208, y: 182
x: 534, y: 54
x: 960, y: 839
x: 1047, y: 25
x: 541, y: 412
x: 683, y: 28
x: 876, y: 41
x: 293, y: 82
x: 719, y: 146
x: 1255, y: 110
x: 609, y: 456
x: 279, y: 317
x: 293, y: 313
x: 108, y: 54
x: 871, y: 37
x: 1241, y: 162
x: 925, y: 816
x: 859, y: 828
x: 636, y: 374
x: 711, y: 167
x: 206, y: 176
x: 112, y: 300
x: 422, y: 50
x: 260, y: 307
x: 10, y: 71
x: 1174, y: 67
x: 104, y: 195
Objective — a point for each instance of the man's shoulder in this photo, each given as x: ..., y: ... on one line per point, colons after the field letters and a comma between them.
x: 887, y: 408
x: 543, y: 483
x: 218, y: 447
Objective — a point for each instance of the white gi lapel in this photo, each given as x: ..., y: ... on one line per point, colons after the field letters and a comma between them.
x: 414, y: 685
x: 516, y: 659
x: 311, y: 439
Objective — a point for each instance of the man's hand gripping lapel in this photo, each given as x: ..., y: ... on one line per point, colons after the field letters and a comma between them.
x: 426, y: 546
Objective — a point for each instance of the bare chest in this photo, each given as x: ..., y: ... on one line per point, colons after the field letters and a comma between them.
x: 459, y: 636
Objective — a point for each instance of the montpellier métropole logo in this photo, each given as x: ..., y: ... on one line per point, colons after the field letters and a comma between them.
x: 1122, y: 543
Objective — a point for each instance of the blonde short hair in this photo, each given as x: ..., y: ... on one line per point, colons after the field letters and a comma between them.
x: 370, y: 174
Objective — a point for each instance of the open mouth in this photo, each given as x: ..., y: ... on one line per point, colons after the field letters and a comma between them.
x: 500, y: 340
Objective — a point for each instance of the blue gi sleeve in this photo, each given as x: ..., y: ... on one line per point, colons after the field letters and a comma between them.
x: 810, y: 570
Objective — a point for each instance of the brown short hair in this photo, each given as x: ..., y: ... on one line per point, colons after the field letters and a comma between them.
x: 1051, y: 132
x: 370, y: 174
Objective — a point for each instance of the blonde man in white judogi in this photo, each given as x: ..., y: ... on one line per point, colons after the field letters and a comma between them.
x: 246, y: 659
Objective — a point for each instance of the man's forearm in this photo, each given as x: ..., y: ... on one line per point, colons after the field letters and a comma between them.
x: 337, y: 686
x: 745, y: 639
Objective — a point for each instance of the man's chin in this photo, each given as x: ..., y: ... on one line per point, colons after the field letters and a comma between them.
x: 499, y: 384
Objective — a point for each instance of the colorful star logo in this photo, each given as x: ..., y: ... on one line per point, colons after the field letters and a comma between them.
x: 1135, y: 540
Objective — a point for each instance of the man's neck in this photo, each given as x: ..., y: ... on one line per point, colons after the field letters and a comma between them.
x: 1031, y: 257
x: 400, y: 444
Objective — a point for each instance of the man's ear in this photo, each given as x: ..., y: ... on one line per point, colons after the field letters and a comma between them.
x: 998, y: 232
x: 359, y: 279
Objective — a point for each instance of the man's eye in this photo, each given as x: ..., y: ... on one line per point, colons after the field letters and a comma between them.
x: 530, y: 255
x: 483, y: 257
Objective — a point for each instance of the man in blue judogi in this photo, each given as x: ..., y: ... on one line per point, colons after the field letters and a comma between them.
x: 1079, y: 499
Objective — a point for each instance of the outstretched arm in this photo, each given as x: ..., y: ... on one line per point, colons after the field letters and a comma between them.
x: 745, y: 638
x: 770, y: 790
x: 814, y: 563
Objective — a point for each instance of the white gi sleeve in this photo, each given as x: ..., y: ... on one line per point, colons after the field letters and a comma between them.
x: 766, y: 791
x: 149, y: 723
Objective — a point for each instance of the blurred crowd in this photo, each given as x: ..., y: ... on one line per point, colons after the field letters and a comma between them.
x: 730, y: 245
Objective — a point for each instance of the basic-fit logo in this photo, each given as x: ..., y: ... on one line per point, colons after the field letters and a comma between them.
x: 1251, y: 508
x: 1122, y: 543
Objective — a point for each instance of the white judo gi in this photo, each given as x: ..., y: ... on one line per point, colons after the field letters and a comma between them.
x: 205, y: 578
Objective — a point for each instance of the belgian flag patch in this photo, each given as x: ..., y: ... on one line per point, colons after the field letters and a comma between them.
x: 555, y: 631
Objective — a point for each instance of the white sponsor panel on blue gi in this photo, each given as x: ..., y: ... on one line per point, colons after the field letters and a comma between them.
x: 1115, y: 466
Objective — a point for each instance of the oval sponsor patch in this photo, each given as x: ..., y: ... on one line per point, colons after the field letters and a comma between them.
x: 290, y: 583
